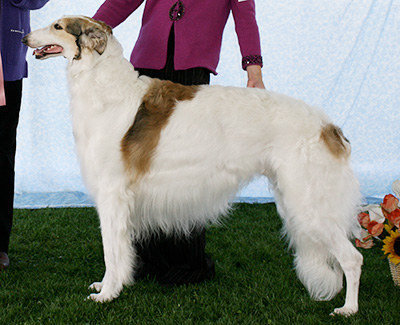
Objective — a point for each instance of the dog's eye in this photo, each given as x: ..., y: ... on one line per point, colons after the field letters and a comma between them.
x: 57, y: 26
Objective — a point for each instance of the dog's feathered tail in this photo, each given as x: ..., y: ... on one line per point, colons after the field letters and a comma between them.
x: 319, y: 272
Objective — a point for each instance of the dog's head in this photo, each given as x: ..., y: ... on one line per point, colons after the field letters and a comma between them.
x: 69, y: 37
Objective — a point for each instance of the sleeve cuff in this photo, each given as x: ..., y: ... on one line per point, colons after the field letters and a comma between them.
x: 251, y: 60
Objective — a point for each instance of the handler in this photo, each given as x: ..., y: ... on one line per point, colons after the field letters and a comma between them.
x: 181, y: 41
x: 14, y: 25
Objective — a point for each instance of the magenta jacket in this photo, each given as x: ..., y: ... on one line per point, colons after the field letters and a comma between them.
x: 198, y: 31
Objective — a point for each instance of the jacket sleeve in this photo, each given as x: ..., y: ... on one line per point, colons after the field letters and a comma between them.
x: 114, y: 12
x: 29, y: 4
x: 244, y: 15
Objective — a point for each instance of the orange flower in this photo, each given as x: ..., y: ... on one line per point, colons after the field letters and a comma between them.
x: 375, y: 228
x: 366, y: 244
x: 394, y: 217
x: 363, y: 219
x: 390, y: 203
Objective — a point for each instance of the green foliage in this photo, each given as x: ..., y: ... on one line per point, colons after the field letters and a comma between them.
x: 56, y: 254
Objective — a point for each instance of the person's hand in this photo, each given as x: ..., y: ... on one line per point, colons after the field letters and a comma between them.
x: 254, y: 77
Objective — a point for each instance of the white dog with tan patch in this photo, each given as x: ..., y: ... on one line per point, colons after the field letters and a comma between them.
x: 159, y: 156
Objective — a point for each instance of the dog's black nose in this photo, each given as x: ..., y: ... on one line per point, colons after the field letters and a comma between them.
x: 25, y: 40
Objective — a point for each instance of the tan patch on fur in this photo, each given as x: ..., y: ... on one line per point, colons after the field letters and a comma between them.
x: 141, y: 140
x: 78, y: 24
x: 334, y: 139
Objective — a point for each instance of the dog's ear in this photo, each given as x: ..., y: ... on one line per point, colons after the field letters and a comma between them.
x: 74, y: 27
x: 95, y: 38
x: 92, y: 35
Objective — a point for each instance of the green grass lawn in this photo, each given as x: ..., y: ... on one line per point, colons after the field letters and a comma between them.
x: 57, y: 253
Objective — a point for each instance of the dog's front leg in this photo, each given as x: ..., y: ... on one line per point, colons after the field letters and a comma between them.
x: 119, y: 253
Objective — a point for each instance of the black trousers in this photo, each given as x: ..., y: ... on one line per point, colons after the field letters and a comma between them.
x: 9, y: 116
x: 174, y: 260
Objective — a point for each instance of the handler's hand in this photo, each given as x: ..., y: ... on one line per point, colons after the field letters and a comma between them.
x: 254, y: 77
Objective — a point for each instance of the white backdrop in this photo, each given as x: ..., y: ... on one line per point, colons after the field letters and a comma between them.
x: 340, y: 55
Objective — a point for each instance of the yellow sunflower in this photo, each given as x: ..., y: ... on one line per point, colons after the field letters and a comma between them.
x: 392, y: 246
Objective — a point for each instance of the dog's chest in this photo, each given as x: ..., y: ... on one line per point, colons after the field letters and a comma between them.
x: 98, y: 143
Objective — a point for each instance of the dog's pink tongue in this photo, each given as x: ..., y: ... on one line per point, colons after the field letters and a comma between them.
x: 53, y: 49
x: 49, y: 49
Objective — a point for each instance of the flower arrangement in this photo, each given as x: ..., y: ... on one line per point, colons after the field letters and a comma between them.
x: 380, y: 224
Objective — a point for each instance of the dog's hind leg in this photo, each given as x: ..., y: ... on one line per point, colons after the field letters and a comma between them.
x: 319, y: 217
x: 119, y: 255
x: 350, y: 261
x: 315, y: 266
x: 321, y: 257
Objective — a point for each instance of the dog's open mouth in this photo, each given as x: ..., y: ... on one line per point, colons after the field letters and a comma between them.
x: 47, y: 51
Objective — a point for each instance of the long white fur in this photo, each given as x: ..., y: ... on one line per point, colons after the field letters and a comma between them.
x: 211, y: 146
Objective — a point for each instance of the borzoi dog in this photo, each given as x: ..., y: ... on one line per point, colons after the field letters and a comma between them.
x: 158, y: 156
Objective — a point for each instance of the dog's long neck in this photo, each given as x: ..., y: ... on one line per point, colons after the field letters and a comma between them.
x: 89, y: 59
x: 104, y: 89
x: 109, y: 76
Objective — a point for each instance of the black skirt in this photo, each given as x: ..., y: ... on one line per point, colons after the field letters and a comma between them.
x: 193, y: 76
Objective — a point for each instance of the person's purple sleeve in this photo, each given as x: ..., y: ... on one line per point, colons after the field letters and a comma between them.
x: 29, y: 4
x: 244, y: 14
x: 114, y: 12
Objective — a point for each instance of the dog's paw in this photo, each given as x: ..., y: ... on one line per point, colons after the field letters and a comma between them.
x: 96, y: 286
x: 344, y: 311
x: 99, y: 297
